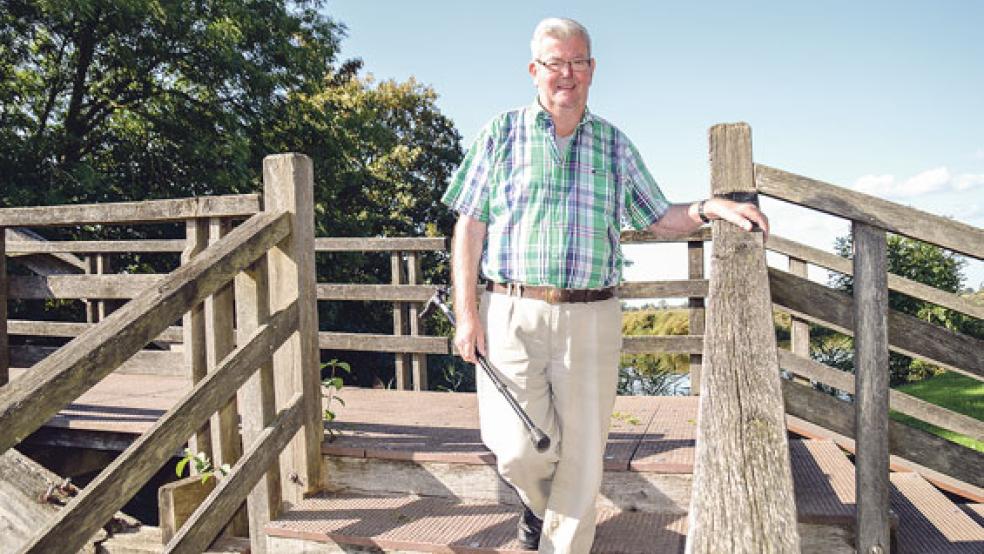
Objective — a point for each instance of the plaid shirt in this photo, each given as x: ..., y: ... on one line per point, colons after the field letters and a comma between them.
x: 554, y: 218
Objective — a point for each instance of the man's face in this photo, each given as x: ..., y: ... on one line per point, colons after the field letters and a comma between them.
x: 565, y: 89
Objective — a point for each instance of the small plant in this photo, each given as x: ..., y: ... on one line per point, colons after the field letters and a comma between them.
x: 202, y: 465
x: 627, y: 418
x: 333, y: 383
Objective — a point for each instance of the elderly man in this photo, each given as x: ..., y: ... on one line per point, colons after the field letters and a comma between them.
x: 541, y: 196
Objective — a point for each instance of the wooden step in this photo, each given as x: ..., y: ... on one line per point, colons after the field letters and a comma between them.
x: 929, y: 522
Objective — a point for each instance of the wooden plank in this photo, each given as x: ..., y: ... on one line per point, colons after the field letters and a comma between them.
x: 694, y: 287
x: 4, y: 296
x: 21, y: 247
x: 177, y: 500
x: 872, y: 485
x: 144, y: 362
x: 741, y: 423
x: 871, y: 210
x: 116, y: 484
x: 907, y: 442
x: 288, y: 184
x: 388, y: 244
x: 257, y: 399
x: 31, y: 400
x: 117, y: 287
x: 220, y: 340
x: 799, y: 329
x: 896, y: 283
x: 206, y: 523
x: 41, y: 264
x: 898, y: 401
x: 400, y: 324
x: 366, y: 342
x: 906, y: 334
x: 645, y: 344
x: 381, y: 293
x: 146, y: 211
x: 193, y: 332
x: 629, y: 237
x: 31, y: 328
x: 419, y: 361
x: 695, y: 313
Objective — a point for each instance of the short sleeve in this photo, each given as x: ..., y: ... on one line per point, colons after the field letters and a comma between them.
x: 644, y: 201
x: 468, y: 193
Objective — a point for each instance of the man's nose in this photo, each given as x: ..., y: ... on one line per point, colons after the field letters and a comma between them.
x: 567, y: 70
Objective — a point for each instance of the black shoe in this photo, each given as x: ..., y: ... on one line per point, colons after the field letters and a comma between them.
x: 529, y: 529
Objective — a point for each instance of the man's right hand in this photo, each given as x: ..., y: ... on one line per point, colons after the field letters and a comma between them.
x: 468, y: 335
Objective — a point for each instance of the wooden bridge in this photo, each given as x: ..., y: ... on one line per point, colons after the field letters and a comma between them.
x: 754, y: 463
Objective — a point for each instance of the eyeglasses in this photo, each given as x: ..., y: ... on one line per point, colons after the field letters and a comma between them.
x: 579, y: 65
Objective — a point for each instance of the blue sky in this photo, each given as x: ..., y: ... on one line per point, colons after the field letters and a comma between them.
x: 882, y: 97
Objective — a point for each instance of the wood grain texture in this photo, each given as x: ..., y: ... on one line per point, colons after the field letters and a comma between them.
x: 119, y: 287
x: 143, y: 362
x: 418, y: 360
x: 194, y: 349
x: 28, y: 402
x: 257, y: 399
x: 96, y: 246
x: 177, y: 500
x: 741, y: 433
x: 41, y: 263
x: 898, y: 401
x: 115, y: 485
x: 629, y: 237
x: 4, y: 336
x: 401, y: 361
x: 906, y: 442
x: 389, y: 244
x: 288, y: 185
x: 681, y: 344
x: 368, y: 342
x: 870, y: 210
x: 906, y: 334
x: 915, y: 289
x: 147, y: 211
x: 207, y: 521
x: 31, y: 328
x: 872, y: 486
x: 695, y: 303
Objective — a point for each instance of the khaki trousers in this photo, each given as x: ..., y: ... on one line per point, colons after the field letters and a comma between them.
x: 561, y: 363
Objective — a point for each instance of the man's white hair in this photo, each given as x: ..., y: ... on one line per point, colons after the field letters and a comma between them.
x: 559, y: 28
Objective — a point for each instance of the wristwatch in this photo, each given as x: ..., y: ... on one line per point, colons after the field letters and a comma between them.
x: 700, y: 211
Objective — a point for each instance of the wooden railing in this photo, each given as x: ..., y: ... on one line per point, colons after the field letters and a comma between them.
x: 264, y: 371
x: 876, y: 330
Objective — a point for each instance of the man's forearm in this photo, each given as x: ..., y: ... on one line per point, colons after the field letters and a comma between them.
x: 466, y: 251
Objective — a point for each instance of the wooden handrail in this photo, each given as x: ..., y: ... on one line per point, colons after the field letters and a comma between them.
x: 113, y: 286
x: 147, y: 211
x: 915, y: 289
x: 28, y: 327
x: 119, y: 481
x: 871, y: 210
x: 30, y: 401
x: 906, y: 334
x: 24, y: 247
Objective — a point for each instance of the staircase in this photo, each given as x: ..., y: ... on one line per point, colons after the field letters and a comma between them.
x: 409, y: 474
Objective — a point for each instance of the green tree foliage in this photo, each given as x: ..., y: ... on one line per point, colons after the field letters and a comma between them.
x: 918, y: 261
x: 112, y: 100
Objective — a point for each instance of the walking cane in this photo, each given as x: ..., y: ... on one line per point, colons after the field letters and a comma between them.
x: 539, y: 439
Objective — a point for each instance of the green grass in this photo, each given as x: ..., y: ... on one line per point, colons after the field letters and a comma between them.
x: 954, y: 392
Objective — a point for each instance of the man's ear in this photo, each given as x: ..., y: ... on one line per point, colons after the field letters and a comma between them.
x: 533, y: 69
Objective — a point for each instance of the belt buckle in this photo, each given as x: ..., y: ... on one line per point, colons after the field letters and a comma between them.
x: 553, y: 295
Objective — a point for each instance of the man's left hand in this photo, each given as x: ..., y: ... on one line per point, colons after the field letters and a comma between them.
x: 743, y: 214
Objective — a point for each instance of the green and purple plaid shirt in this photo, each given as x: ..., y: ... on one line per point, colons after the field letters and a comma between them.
x: 554, y: 218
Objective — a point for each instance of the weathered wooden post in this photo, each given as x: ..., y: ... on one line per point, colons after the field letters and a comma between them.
x: 799, y: 329
x: 288, y: 185
x: 419, y: 360
x: 695, y: 270
x: 742, y: 499
x: 193, y: 331
x: 4, y: 340
x: 400, y: 323
x: 257, y: 399
x: 872, y: 394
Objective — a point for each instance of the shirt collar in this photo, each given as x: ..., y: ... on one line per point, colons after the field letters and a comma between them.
x: 543, y: 118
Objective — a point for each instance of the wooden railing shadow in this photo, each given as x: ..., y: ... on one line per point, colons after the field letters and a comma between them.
x: 269, y: 368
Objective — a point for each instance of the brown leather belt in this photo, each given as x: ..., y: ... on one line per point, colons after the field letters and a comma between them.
x: 551, y: 295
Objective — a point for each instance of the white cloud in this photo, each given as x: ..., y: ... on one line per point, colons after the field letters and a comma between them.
x: 979, y: 154
x: 938, y: 179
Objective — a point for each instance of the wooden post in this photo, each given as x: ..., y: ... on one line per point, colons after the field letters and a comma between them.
x: 695, y: 270
x: 91, y: 305
x: 102, y: 268
x: 4, y: 338
x: 193, y: 331
x: 257, y: 399
x: 402, y: 361
x: 872, y: 395
x: 288, y: 185
x: 799, y: 329
x: 742, y: 500
x: 220, y: 340
x: 419, y: 360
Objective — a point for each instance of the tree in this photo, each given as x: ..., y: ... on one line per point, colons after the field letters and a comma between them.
x: 110, y: 100
x: 918, y: 261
